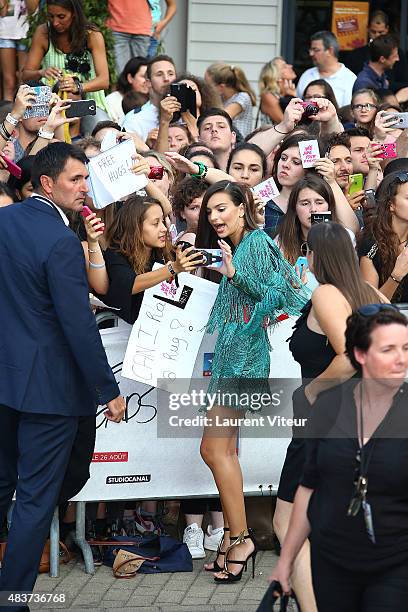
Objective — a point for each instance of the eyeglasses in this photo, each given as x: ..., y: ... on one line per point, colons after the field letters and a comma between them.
x: 361, y: 107
x: 368, y: 310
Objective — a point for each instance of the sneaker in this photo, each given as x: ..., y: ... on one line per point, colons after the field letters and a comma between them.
x: 193, y: 537
x: 213, y: 537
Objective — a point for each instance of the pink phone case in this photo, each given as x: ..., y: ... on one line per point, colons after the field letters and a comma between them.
x: 86, y: 211
x: 12, y: 167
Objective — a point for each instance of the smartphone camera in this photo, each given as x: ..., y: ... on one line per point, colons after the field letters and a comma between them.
x: 156, y: 173
x: 309, y: 109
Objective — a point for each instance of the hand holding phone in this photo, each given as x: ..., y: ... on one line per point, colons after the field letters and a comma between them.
x: 12, y: 167
x: 186, y: 96
x: 41, y: 104
x: 94, y: 227
x: 356, y: 183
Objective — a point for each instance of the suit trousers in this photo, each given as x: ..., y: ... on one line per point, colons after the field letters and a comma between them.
x: 34, y: 453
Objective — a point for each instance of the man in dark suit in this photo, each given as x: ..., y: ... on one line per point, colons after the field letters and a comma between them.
x: 53, y: 368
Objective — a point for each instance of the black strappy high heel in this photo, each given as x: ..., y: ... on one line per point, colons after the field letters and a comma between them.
x: 216, y: 567
x: 237, y: 577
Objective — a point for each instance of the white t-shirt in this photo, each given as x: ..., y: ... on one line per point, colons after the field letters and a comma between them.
x: 114, y: 105
x: 143, y: 122
x: 341, y: 82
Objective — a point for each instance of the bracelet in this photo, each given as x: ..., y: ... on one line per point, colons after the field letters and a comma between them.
x: 4, y: 132
x: 80, y: 89
x: 279, y: 132
x: 12, y: 120
x: 202, y: 171
x: 97, y: 266
x: 44, y: 134
x: 395, y: 279
x: 171, y: 269
x: 92, y: 251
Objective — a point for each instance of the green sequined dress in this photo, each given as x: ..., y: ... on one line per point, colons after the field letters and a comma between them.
x: 264, y: 283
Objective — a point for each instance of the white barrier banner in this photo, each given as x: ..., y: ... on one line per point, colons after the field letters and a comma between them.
x: 167, y: 335
x: 131, y: 462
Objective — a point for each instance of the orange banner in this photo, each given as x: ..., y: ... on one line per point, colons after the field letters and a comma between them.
x: 349, y: 24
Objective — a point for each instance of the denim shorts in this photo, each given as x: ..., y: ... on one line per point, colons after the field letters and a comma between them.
x: 8, y: 43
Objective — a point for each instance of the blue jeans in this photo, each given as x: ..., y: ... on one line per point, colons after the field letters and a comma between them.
x: 154, y: 43
x: 127, y: 46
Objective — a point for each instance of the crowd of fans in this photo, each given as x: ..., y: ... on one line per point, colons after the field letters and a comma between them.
x: 201, y: 164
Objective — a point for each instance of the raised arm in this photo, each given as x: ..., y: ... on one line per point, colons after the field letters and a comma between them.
x: 268, y: 139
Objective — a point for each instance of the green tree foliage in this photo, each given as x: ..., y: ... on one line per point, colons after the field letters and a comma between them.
x: 97, y: 13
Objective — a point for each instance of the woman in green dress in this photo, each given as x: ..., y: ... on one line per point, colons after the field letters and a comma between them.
x: 256, y: 283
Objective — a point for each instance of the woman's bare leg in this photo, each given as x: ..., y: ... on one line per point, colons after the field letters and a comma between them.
x: 302, y: 575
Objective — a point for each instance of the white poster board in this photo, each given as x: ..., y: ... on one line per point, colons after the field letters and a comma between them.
x: 110, y: 174
x: 169, y: 330
x: 131, y: 462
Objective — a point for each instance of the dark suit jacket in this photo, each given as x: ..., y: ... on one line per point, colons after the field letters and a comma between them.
x: 51, y: 355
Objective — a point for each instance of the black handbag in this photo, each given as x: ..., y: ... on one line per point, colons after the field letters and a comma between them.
x: 269, y: 599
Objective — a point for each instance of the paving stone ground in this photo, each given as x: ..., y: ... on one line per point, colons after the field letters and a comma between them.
x: 182, y: 592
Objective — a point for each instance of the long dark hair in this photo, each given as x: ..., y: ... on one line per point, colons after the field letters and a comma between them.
x: 290, y: 230
x: 79, y: 28
x: 131, y: 67
x: 380, y: 226
x: 125, y: 234
x: 239, y: 194
x: 335, y: 262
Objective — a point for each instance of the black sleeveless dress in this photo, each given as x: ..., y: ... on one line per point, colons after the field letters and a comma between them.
x: 314, y: 353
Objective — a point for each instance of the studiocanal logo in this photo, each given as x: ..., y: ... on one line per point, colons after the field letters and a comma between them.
x: 128, y: 478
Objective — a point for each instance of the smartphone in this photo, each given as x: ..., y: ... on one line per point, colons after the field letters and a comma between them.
x: 356, y: 183
x: 156, y: 172
x: 12, y: 167
x: 370, y: 201
x: 212, y: 257
x: 81, y: 108
x: 41, y: 105
x: 86, y: 211
x: 302, y: 263
x: 389, y: 151
x: 402, y: 120
x: 187, y: 98
x: 323, y: 217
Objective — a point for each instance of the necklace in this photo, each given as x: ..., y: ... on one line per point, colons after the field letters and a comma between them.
x: 363, y: 458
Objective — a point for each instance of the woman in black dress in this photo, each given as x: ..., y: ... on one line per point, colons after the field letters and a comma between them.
x: 352, y: 501
x: 318, y: 346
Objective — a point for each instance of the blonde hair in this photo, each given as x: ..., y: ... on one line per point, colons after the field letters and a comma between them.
x: 231, y: 76
x: 269, y: 77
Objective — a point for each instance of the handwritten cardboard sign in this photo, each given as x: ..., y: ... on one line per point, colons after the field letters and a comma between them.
x: 167, y: 335
x: 309, y: 152
x: 267, y: 190
x: 110, y: 175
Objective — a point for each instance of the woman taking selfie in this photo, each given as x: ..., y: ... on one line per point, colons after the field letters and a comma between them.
x: 136, y: 239
x: 352, y: 501
x: 71, y: 51
x: 317, y: 344
x: 256, y: 283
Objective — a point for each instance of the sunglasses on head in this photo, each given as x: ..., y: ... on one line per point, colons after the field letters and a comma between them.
x: 402, y: 177
x: 368, y: 310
